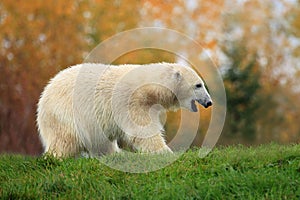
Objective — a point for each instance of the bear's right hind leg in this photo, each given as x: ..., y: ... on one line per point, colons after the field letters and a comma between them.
x: 63, y: 145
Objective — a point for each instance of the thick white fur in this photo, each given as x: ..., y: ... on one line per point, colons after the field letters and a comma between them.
x: 88, y: 107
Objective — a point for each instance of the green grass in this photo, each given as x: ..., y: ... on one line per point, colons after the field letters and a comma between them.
x: 265, y: 172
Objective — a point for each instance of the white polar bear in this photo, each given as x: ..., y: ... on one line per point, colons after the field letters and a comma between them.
x: 89, y: 107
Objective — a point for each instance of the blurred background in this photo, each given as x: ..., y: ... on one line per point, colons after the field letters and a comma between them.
x: 255, y: 44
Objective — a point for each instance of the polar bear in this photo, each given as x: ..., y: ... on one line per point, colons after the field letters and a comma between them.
x: 88, y: 107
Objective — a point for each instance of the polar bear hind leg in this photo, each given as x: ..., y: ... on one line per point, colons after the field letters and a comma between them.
x: 62, y: 144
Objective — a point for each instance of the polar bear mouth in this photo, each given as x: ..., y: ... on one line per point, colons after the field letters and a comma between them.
x: 193, y: 106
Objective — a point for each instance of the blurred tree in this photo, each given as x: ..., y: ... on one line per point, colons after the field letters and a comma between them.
x: 264, y: 30
x: 242, y: 83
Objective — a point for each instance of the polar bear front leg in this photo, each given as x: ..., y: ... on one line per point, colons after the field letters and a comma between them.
x: 153, y: 144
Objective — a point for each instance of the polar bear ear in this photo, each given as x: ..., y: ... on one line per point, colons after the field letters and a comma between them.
x: 177, y: 75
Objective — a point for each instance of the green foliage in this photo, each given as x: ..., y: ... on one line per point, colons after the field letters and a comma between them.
x: 265, y: 172
x: 242, y: 84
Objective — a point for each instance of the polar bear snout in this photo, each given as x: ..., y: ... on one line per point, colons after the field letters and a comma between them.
x: 205, y: 104
x: 209, y: 103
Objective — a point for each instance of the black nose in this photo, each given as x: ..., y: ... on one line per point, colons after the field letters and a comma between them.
x: 208, y: 104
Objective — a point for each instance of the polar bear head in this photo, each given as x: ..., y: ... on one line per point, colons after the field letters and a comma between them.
x: 170, y: 85
x: 190, y: 89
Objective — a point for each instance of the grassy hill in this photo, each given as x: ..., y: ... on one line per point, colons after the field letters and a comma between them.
x: 265, y: 172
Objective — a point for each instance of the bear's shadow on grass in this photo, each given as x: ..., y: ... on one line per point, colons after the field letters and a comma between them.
x: 139, y: 162
x: 125, y: 161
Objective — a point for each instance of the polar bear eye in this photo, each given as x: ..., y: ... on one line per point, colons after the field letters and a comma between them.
x: 199, y: 85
